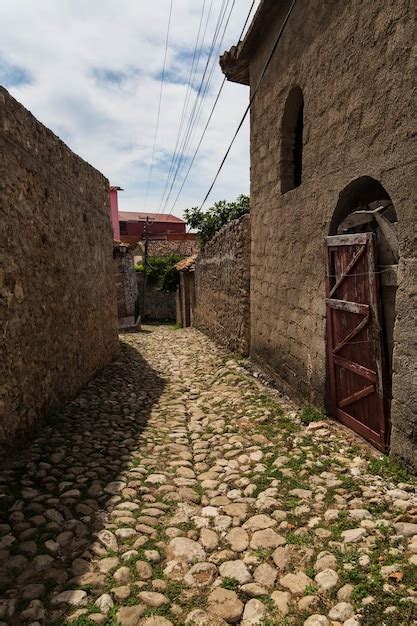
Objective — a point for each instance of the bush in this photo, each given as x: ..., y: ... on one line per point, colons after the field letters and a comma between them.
x: 207, y: 223
x: 161, y: 272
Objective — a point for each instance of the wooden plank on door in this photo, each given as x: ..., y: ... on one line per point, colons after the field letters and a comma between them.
x: 354, y: 337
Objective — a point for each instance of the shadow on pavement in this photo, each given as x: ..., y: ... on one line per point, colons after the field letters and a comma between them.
x: 53, y: 501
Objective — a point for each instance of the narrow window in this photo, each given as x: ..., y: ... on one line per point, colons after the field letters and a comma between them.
x: 123, y: 228
x: 292, y: 141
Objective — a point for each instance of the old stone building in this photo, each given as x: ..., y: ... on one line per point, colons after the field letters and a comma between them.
x: 58, y: 320
x: 333, y: 152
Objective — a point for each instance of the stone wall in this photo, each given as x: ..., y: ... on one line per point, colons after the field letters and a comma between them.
x: 222, y: 286
x: 160, y: 306
x: 186, y: 298
x: 356, y: 65
x: 161, y: 247
x: 186, y: 291
x: 57, y: 292
x: 126, y: 286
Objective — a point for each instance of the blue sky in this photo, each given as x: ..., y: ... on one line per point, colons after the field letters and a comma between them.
x: 91, y: 71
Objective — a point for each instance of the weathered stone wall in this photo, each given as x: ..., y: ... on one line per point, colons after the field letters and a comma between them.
x: 57, y: 306
x: 161, y: 247
x: 126, y: 286
x: 222, y: 286
x: 183, y: 307
x: 356, y: 64
x: 186, y: 298
x: 159, y: 305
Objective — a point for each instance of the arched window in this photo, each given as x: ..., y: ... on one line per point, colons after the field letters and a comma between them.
x: 292, y: 141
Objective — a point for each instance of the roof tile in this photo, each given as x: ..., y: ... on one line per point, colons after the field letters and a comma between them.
x: 135, y: 216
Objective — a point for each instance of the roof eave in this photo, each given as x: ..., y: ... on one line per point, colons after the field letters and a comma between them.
x: 233, y: 67
x: 235, y: 62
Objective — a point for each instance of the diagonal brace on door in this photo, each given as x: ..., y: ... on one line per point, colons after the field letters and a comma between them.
x: 345, y: 274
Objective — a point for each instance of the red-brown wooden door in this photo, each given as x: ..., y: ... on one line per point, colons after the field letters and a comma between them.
x: 354, y: 337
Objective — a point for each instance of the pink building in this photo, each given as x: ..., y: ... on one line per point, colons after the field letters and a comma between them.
x: 160, y: 226
x: 130, y: 225
x: 114, y: 210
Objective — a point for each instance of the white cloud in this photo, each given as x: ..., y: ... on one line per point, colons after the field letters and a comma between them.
x: 95, y: 72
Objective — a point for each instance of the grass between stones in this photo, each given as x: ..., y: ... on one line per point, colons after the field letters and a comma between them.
x: 310, y: 414
x: 292, y: 458
x: 366, y: 583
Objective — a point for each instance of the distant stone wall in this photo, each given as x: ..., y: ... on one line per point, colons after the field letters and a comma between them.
x: 58, y: 321
x: 222, y: 283
x: 126, y: 286
x: 159, y: 305
x: 159, y: 247
x: 186, y: 299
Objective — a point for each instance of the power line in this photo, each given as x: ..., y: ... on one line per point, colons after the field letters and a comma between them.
x: 191, y: 121
x: 274, y: 47
x: 180, y: 139
x: 160, y: 101
x: 214, y: 64
x: 198, y: 146
x: 209, y: 118
x: 191, y: 77
x: 204, y: 83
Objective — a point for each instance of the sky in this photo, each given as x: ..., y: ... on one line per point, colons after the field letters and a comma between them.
x: 91, y: 71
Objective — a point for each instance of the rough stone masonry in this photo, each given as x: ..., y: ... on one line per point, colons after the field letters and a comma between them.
x: 349, y: 68
x: 177, y: 490
x: 222, y: 284
x: 57, y: 292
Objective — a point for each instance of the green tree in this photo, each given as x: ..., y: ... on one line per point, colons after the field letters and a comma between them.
x: 161, y: 271
x: 207, y: 223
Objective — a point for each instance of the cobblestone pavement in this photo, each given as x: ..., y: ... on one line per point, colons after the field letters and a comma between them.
x: 177, y: 490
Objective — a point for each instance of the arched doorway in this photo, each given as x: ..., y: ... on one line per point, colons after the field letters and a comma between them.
x: 361, y: 277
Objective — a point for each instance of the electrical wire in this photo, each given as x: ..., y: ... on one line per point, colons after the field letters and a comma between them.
x: 183, y: 130
x: 206, y: 88
x: 192, y: 118
x: 160, y: 102
x: 191, y: 121
x: 209, y: 118
x: 202, y: 92
x: 193, y: 69
x: 198, y: 146
x: 274, y: 47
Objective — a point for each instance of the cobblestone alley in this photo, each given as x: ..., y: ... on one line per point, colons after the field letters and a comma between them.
x: 176, y: 490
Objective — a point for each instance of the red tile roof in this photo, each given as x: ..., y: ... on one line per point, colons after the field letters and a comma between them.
x: 187, y: 264
x: 134, y: 216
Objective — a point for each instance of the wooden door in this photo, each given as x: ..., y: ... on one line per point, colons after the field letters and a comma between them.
x: 354, y: 337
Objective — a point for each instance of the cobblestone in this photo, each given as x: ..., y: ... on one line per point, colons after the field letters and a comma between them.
x: 176, y: 489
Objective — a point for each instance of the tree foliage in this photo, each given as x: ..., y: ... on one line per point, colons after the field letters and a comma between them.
x: 207, y: 223
x: 161, y: 271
